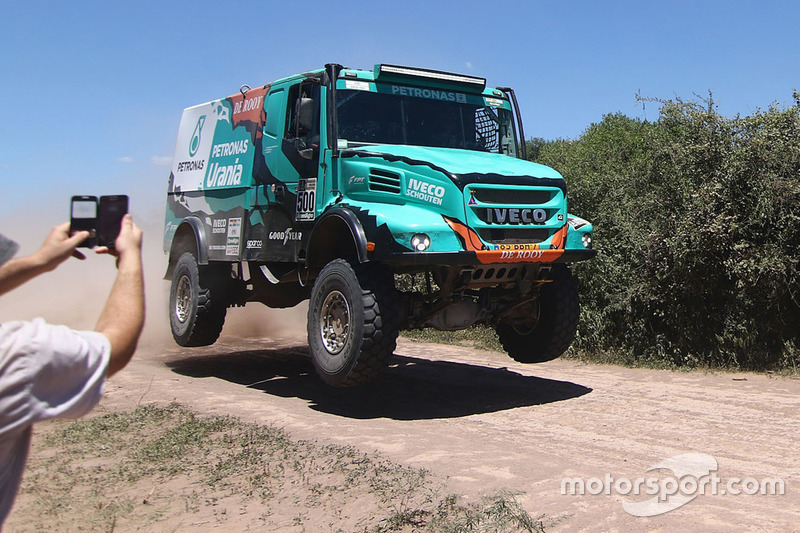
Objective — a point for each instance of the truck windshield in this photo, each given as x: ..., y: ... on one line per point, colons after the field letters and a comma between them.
x: 379, y: 118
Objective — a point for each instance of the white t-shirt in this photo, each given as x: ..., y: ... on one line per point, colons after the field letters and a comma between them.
x: 46, y: 372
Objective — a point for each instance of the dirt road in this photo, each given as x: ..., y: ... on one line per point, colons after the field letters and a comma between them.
x: 487, y: 423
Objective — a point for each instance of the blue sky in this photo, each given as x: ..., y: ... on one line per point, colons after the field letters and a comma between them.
x: 93, y: 91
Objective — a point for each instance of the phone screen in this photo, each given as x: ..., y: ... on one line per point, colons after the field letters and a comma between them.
x: 83, y: 216
x: 84, y: 209
x: 112, y: 209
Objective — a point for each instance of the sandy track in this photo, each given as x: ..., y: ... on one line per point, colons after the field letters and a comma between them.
x: 488, y: 423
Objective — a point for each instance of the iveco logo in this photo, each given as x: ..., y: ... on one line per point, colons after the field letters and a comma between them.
x: 505, y: 215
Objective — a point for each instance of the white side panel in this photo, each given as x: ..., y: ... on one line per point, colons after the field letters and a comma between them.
x: 192, y: 150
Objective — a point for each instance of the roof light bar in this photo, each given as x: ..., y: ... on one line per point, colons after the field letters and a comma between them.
x: 432, y: 74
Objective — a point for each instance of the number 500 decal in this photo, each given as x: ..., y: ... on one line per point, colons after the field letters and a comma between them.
x: 306, y: 200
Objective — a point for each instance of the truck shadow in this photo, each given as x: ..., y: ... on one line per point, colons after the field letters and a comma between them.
x: 409, y: 389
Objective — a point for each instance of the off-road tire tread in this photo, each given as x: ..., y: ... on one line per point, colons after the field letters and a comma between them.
x: 558, y: 322
x: 381, y: 304
x: 211, y: 305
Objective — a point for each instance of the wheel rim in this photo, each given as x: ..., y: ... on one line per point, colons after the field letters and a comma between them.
x: 183, y: 299
x: 523, y: 329
x: 334, y: 322
x: 527, y: 327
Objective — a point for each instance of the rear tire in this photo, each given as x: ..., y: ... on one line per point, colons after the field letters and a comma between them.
x: 197, y: 304
x: 352, y: 322
x: 559, y: 311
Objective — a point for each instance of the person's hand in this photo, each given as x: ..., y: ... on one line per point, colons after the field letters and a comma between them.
x: 128, y: 243
x: 59, y: 246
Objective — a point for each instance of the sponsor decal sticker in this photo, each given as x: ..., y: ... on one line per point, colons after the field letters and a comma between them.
x: 427, y: 192
x: 234, y: 234
x: 170, y: 227
x: 285, y: 236
x: 219, y: 226
x: 247, y: 108
x: 576, y: 222
x: 224, y: 175
x: 432, y: 94
x: 306, y: 200
x: 521, y: 254
x: 234, y: 227
x: 194, y: 144
x: 188, y: 166
x: 231, y: 148
x: 248, y: 104
x: 357, y: 85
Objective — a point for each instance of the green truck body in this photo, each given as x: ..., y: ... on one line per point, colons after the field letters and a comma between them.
x: 393, y: 198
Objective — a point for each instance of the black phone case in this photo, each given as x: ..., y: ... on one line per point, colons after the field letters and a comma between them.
x: 81, y: 223
x: 110, y: 212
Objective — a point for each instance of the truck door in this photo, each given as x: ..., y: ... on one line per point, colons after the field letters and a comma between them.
x: 291, y: 152
x: 301, y: 145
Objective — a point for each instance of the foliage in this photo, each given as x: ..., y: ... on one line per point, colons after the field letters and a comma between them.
x: 697, y: 223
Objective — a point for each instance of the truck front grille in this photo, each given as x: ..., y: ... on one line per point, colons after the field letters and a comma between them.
x: 508, y: 215
x: 511, y: 197
x: 513, y: 235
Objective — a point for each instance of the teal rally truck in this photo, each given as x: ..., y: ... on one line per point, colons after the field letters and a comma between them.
x: 393, y: 198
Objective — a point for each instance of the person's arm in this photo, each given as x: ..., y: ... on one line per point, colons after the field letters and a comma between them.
x: 57, y: 248
x: 122, y: 318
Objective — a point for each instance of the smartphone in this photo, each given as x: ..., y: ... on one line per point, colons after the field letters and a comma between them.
x: 109, y: 219
x: 83, y: 216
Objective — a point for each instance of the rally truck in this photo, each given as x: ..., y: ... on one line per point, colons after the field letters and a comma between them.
x: 393, y: 198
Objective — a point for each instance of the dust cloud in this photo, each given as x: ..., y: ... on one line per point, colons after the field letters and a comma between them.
x: 74, y: 293
x: 258, y: 320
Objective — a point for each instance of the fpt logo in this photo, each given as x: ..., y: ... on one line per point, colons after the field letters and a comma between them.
x: 194, y: 145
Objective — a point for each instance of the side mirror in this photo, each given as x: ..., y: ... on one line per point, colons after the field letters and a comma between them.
x: 305, y: 115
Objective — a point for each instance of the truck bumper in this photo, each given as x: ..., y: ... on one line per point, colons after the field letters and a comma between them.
x: 489, y: 257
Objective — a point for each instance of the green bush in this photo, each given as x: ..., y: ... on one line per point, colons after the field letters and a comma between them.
x: 697, y: 221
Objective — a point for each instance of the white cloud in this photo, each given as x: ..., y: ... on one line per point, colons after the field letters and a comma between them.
x: 469, y: 65
x: 160, y: 160
x: 125, y: 159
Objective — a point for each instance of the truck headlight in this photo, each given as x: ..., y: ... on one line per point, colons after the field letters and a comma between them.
x: 420, y: 242
x: 587, y: 240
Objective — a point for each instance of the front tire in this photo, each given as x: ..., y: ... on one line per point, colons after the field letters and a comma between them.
x: 197, y: 305
x: 553, y: 333
x: 352, y: 322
